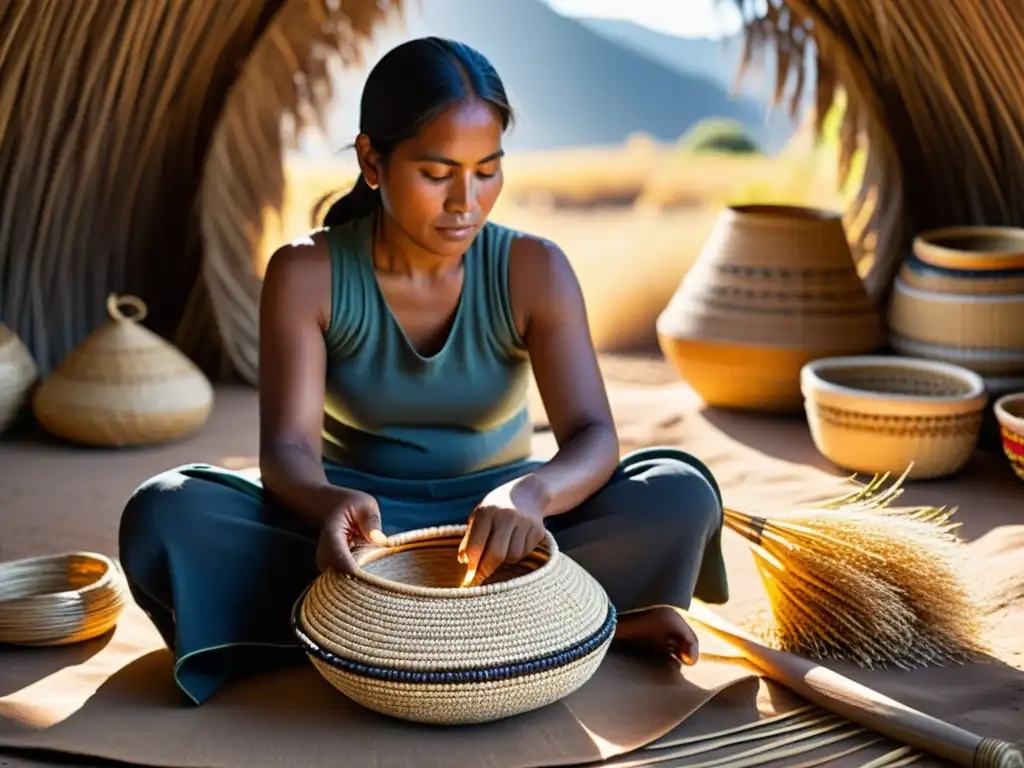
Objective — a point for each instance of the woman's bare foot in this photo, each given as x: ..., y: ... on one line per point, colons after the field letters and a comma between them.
x: 660, y: 630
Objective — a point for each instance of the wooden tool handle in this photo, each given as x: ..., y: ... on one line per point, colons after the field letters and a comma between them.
x: 862, y: 705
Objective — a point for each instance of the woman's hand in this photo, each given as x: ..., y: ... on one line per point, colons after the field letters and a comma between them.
x: 504, y: 528
x: 353, y: 524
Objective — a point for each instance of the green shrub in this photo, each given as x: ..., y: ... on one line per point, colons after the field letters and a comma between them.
x: 719, y: 136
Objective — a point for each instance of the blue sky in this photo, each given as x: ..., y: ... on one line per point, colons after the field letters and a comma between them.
x: 686, y: 18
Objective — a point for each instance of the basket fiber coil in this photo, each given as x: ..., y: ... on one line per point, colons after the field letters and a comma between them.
x: 401, y: 637
x: 59, y: 599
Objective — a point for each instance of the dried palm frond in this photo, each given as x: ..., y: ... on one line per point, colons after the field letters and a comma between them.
x: 857, y: 579
x: 933, y: 96
x: 142, y: 159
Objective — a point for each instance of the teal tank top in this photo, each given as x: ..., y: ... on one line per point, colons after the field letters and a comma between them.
x: 392, y: 412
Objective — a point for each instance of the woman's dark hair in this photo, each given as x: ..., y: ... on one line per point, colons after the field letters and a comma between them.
x: 409, y: 87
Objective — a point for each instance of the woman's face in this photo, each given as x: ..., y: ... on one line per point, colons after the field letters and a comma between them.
x: 440, y: 186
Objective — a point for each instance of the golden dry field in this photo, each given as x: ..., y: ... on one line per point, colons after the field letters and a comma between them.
x: 632, y: 218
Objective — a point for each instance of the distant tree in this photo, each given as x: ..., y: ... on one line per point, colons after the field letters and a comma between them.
x: 719, y: 135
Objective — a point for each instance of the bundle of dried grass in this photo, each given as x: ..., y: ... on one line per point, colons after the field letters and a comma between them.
x: 859, y: 580
x: 155, y: 118
x: 933, y: 97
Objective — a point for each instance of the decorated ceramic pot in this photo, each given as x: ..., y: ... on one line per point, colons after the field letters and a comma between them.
x: 774, y: 287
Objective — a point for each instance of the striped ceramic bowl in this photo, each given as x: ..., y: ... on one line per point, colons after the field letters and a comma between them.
x: 1009, y: 411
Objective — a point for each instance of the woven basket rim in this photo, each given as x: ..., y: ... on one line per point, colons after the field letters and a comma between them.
x: 400, y: 541
x: 465, y: 675
x: 1007, y: 417
x: 103, y: 582
x: 812, y: 379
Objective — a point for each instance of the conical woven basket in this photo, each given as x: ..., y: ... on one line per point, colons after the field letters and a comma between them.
x: 124, y: 385
x: 59, y: 599
x: 401, y: 637
x: 18, y: 373
x: 773, y: 288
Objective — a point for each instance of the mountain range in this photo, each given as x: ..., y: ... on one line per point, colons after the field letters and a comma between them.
x: 580, y: 82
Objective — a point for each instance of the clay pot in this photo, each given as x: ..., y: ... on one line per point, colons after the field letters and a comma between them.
x: 774, y: 287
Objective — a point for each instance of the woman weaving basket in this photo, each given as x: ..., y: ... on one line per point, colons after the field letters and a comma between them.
x: 395, y: 349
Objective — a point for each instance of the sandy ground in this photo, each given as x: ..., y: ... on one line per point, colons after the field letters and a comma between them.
x: 55, y: 497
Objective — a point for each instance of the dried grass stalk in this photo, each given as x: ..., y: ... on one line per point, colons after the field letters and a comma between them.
x: 859, y: 580
x: 933, y: 89
x: 156, y: 134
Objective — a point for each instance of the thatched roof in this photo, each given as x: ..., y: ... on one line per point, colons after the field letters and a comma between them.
x: 141, y: 142
x: 934, y: 96
x: 139, y: 145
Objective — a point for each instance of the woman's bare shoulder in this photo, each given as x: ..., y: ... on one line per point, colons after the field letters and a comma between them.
x: 540, y: 268
x: 298, y: 275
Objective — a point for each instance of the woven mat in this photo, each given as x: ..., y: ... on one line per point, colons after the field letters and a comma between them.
x: 120, y: 697
x: 115, y: 700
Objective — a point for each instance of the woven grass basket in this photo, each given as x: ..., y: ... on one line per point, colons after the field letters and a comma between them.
x: 59, y: 599
x: 18, y: 373
x: 876, y: 414
x: 402, y: 638
x: 124, y: 385
x: 774, y: 287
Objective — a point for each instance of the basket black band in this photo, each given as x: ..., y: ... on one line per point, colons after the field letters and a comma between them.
x: 456, y: 676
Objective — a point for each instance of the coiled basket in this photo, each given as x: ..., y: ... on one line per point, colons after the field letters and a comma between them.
x: 60, y: 599
x: 402, y: 638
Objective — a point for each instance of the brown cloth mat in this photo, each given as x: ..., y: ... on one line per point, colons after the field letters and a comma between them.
x: 115, y: 698
x: 55, y: 498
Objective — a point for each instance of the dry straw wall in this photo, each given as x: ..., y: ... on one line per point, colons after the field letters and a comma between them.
x: 139, y: 145
x: 141, y: 142
x: 934, y: 95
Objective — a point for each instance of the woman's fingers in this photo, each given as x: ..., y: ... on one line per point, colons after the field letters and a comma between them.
x: 475, y: 540
x: 495, y: 551
x: 517, y: 546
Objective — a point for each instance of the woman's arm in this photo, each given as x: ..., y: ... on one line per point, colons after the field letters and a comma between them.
x: 557, y: 336
x: 295, y: 309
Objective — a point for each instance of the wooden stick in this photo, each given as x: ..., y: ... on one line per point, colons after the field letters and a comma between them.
x: 860, y: 704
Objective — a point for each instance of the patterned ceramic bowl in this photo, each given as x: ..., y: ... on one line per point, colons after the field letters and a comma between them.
x: 1009, y: 411
x: 877, y: 414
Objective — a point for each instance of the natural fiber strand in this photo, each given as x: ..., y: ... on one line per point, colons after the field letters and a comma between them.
x: 901, y: 756
x: 860, y: 580
x: 108, y: 150
x: 858, y: 703
x: 932, y: 89
x: 793, y: 744
x: 802, y: 714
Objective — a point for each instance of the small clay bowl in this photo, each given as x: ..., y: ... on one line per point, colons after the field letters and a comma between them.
x: 1009, y: 411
